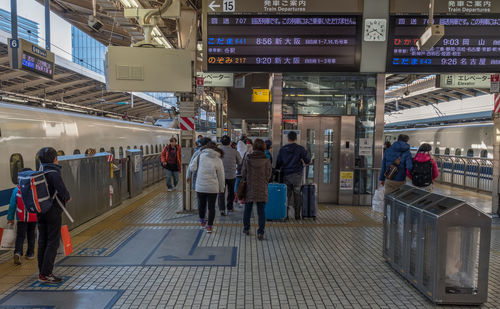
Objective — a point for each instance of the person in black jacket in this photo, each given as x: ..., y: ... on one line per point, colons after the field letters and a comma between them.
x: 291, y: 160
x: 49, y: 223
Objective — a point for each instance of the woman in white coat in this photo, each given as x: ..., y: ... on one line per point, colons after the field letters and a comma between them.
x: 209, y: 181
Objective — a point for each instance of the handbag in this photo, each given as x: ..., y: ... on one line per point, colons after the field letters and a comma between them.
x: 241, y: 191
x: 392, y: 170
x: 8, y: 238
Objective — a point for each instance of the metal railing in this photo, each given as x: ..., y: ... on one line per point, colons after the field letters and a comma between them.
x: 152, y: 172
x: 465, y: 172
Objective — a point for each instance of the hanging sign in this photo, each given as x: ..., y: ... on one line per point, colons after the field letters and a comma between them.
x: 495, y: 83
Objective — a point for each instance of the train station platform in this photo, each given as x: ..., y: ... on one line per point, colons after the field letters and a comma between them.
x: 145, y: 255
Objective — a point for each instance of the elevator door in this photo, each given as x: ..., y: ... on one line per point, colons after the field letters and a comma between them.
x: 321, y: 137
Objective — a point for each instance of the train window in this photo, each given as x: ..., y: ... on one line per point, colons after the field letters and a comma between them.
x: 458, y: 152
x: 436, y: 151
x: 128, y: 147
x: 152, y: 150
x: 76, y: 152
x: 120, y: 152
x: 142, y: 149
x: 147, y: 149
x: 102, y: 149
x: 156, y: 149
x: 60, y: 153
x: 16, y: 165
x: 135, y: 147
x: 484, y: 153
x: 447, y: 151
x: 112, y: 150
x: 470, y: 153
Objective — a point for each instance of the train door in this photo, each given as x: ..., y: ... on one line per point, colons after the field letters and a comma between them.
x: 321, y: 137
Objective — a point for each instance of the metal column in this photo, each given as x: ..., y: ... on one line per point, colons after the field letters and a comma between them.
x: 47, y: 24
x: 496, y: 166
x: 379, y: 128
x: 13, y: 29
x: 277, y: 112
x: 219, y: 115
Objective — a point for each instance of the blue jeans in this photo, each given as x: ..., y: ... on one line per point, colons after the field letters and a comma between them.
x: 175, y: 176
x: 261, y: 213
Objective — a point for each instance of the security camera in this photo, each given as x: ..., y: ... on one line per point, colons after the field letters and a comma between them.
x: 95, y: 23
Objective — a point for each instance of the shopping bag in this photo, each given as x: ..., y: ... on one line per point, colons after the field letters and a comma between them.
x: 378, y: 200
x: 8, y: 238
x: 66, y: 241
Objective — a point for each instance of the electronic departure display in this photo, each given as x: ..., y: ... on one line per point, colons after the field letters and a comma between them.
x: 33, y: 63
x: 283, y: 43
x: 470, y: 44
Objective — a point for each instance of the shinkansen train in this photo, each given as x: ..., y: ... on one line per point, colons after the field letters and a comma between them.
x: 472, y: 140
x: 24, y: 130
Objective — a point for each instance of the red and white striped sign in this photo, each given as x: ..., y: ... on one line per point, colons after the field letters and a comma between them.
x: 496, y: 110
x: 110, y: 158
x: 186, y: 123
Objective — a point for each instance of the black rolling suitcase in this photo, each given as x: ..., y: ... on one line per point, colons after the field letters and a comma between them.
x: 309, y: 201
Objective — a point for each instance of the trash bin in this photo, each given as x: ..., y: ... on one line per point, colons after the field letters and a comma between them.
x: 438, y: 243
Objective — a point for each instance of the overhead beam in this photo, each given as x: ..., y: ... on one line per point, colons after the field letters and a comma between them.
x: 36, y: 82
x: 467, y: 93
x: 110, y: 96
x: 452, y: 95
x: 485, y: 91
x: 11, y: 75
x: 72, y: 92
x: 55, y: 88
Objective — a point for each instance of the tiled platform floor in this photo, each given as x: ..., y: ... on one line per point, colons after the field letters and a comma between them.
x: 333, y: 262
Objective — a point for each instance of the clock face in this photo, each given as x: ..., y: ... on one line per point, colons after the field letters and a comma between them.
x: 375, y: 30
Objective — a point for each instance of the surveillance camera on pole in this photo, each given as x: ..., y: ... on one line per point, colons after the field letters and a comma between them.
x: 433, y: 33
x: 95, y: 23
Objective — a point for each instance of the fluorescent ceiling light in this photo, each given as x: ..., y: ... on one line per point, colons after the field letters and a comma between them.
x: 130, y: 3
x: 211, y: 100
x: 159, y: 38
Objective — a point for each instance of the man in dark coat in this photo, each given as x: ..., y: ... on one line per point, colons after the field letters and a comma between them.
x: 401, y: 150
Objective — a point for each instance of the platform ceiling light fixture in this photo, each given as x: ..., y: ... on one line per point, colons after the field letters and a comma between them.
x: 130, y: 3
x: 159, y: 38
x: 432, y: 34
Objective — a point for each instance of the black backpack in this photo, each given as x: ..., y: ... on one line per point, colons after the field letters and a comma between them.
x: 421, y: 174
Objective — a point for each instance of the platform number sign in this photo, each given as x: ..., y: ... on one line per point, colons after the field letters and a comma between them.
x: 14, y: 43
x: 228, y: 5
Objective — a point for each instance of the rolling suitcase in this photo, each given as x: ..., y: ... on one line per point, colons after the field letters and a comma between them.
x: 276, y: 203
x: 309, y: 201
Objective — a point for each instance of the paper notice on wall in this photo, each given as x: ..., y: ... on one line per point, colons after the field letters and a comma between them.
x: 365, y: 147
x: 346, y: 180
x: 137, y: 163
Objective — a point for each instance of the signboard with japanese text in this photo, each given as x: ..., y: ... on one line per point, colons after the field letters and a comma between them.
x: 282, y: 6
x: 346, y: 180
x: 463, y: 81
x: 283, y: 43
x: 217, y: 79
x: 445, y: 7
x: 470, y: 44
x: 32, y: 58
x: 261, y: 96
x: 495, y: 83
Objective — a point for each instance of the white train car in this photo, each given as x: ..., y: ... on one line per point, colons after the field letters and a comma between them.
x: 24, y: 130
x: 473, y: 140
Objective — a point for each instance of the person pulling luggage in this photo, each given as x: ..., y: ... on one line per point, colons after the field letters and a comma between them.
x: 290, y: 161
x: 424, y: 170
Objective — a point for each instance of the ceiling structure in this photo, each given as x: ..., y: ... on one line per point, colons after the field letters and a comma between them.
x: 117, y: 29
x: 404, y: 91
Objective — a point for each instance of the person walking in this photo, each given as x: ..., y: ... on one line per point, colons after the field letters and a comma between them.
x: 230, y: 160
x: 242, y: 146
x: 424, y: 170
x: 49, y: 223
x: 171, y: 161
x: 256, y: 172
x: 397, y: 158
x: 191, y: 175
x: 26, y: 225
x: 291, y: 160
x: 209, y: 181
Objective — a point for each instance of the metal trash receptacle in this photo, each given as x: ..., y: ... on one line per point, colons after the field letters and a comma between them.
x: 135, y: 175
x: 441, y: 245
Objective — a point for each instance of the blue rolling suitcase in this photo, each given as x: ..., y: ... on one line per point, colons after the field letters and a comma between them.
x: 276, y: 204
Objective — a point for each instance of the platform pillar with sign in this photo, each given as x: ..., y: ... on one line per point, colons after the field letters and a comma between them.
x: 495, y: 89
x: 187, y: 110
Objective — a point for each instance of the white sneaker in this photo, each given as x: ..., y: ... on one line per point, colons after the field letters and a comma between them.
x: 169, y: 190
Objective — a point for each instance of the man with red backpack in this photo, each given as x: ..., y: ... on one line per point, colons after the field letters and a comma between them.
x: 424, y: 169
x: 26, y: 225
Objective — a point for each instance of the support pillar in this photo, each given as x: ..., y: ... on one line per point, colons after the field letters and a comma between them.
x: 219, y: 115
x: 496, y: 166
x: 187, y: 107
x: 276, y: 112
x: 47, y: 24
x: 378, y: 147
x: 13, y: 29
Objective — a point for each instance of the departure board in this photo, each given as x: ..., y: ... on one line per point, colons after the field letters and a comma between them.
x: 38, y: 65
x: 470, y: 44
x: 283, y: 43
